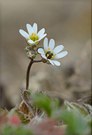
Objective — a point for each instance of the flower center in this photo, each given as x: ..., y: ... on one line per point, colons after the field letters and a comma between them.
x: 49, y: 54
x: 34, y: 37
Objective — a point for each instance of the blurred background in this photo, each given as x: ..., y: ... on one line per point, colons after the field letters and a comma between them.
x: 69, y: 23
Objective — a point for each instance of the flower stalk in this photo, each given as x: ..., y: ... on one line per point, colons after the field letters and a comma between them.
x: 28, y: 71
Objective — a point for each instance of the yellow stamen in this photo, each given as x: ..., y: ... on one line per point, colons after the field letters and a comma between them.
x: 34, y: 37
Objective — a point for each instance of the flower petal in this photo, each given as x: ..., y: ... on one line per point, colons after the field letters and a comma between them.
x: 57, y: 63
x: 35, y: 27
x: 51, y: 44
x: 58, y: 49
x: 41, y: 32
x: 44, y: 56
x: 41, y: 51
x: 45, y: 43
x: 31, y: 42
x: 61, y: 55
x: 24, y: 34
x: 51, y: 62
x: 42, y: 36
x: 29, y: 29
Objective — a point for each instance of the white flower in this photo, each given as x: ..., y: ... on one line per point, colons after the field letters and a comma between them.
x: 33, y: 37
x: 52, y: 53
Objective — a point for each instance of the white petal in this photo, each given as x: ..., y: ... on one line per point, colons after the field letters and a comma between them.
x: 58, y: 49
x: 61, y: 55
x: 29, y: 29
x: 51, y: 44
x: 24, y: 34
x: 42, y: 36
x: 44, y: 56
x: 35, y: 27
x: 51, y: 62
x: 57, y: 63
x: 31, y: 42
x: 41, y: 51
x: 41, y: 32
x: 45, y: 43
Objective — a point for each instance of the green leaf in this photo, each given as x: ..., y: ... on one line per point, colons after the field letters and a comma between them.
x: 43, y: 102
x: 75, y: 106
x: 76, y: 123
x: 12, y: 130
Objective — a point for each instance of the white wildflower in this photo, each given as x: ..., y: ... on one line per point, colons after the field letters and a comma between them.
x: 32, y: 36
x: 52, y: 53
